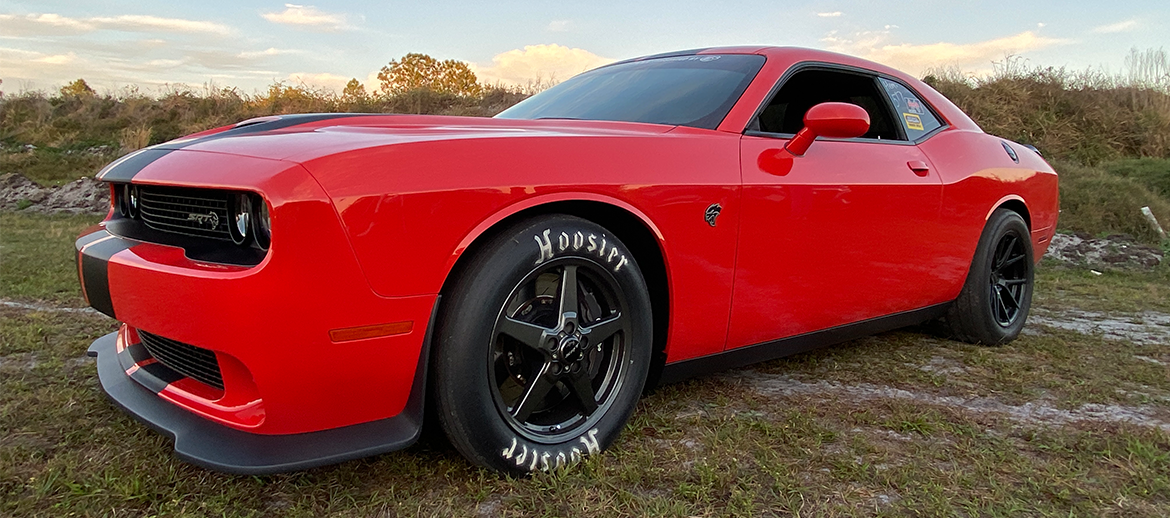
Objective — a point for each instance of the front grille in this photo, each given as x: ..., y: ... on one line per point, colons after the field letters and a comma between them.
x: 194, y: 362
x: 194, y: 212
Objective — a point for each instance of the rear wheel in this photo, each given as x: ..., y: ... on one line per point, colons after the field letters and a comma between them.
x: 545, y: 346
x: 995, y: 300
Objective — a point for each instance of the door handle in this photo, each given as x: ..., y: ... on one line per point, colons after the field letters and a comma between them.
x: 919, y: 167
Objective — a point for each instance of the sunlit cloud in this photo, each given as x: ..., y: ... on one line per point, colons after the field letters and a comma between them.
x: 57, y: 59
x: 141, y: 23
x: 914, y: 58
x: 550, y: 62
x: 271, y: 51
x: 324, y: 80
x: 1126, y: 26
x: 558, y: 26
x: 307, y: 17
x: 54, y: 24
x: 833, y: 14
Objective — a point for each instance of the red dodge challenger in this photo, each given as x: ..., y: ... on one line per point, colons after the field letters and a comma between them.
x: 300, y: 290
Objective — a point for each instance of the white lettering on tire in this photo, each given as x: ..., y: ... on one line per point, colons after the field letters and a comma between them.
x: 553, y: 458
x: 546, y: 251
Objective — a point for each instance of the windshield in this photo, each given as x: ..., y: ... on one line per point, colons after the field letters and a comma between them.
x: 695, y: 91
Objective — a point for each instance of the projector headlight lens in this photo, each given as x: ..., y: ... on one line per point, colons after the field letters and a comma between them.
x: 263, y: 224
x: 132, y: 200
x: 241, y: 224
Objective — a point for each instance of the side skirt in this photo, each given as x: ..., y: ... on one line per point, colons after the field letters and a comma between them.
x: 762, y: 352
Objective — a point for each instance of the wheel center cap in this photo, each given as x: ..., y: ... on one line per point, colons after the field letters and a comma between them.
x: 569, y: 347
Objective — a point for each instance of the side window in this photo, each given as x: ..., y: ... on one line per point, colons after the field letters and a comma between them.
x: 805, y: 89
x: 915, y: 117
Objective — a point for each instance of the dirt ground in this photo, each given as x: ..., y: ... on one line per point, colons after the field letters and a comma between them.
x: 1073, y: 418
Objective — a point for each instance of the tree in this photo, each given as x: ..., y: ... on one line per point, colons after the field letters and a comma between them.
x: 78, y: 88
x: 414, y: 71
x: 354, y: 92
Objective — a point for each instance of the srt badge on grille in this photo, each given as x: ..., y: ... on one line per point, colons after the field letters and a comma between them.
x: 209, y: 220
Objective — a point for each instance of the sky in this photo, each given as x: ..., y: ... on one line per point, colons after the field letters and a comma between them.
x: 251, y: 44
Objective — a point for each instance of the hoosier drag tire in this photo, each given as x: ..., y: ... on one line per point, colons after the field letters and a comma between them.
x: 543, y: 346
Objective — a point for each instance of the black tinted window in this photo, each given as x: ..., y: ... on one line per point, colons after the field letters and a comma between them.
x: 695, y: 91
x: 912, y: 112
x: 808, y: 88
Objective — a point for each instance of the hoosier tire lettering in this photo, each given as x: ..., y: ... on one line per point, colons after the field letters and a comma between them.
x: 545, y: 249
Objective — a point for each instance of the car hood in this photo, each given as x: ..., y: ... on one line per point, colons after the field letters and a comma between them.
x: 302, y: 138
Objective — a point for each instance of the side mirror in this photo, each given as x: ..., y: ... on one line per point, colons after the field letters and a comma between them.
x: 832, y: 120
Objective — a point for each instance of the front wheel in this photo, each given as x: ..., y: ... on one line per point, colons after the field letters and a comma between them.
x: 545, y: 346
x: 994, y: 303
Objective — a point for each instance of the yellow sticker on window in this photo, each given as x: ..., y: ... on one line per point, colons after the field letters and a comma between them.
x: 913, y: 121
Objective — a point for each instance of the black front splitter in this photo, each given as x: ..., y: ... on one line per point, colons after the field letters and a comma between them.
x: 220, y: 448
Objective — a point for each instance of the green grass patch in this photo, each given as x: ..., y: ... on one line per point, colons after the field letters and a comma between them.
x: 37, y: 258
x: 714, y: 446
x: 1096, y: 201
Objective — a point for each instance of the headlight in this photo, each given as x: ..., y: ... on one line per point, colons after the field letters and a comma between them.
x: 132, y: 200
x: 263, y: 224
x: 241, y: 214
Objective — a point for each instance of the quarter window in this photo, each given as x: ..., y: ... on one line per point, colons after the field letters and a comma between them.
x: 913, y: 114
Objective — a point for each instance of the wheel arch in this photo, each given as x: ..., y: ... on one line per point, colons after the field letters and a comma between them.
x: 630, y: 225
x: 1014, y: 203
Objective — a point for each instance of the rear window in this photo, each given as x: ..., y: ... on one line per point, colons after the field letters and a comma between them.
x: 695, y: 91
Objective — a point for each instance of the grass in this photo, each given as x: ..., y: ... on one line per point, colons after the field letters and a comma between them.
x: 37, y: 258
x: 1108, y: 199
x: 724, y: 445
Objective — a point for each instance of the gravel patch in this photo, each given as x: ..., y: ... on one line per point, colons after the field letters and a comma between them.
x: 1031, y: 413
x: 48, y: 309
x: 83, y: 196
x: 1112, y: 252
x: 1146, y: 328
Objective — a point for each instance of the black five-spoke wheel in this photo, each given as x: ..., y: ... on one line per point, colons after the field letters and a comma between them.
x: 543, y: 346
x: 994, y: 302
x: 557, y: 360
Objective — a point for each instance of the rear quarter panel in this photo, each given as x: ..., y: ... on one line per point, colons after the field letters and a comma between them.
x: 979, y: 176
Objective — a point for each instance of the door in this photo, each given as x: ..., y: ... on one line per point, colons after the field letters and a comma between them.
x: 839, y: 235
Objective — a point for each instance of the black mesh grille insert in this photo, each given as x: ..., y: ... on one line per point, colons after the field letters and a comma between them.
x: 194, y: 362
x: 194, y: 212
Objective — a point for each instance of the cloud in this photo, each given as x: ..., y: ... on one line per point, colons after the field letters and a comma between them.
x: 976, y: 57
x: 57, y: 59
x: 49, y: 24
x: 307, y: 17
x: 319, y: 80
x: 833, y: 14
x: 1114, y: 28
x: 538, y: 62
x: 140, y: 23
x: 558, y: 26
x: 270, y: 51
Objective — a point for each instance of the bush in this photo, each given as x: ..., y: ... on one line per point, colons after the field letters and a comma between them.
x: 1097, y: 202
x: 75, y: 132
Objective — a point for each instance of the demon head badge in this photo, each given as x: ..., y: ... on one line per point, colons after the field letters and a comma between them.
x: 712, y: 213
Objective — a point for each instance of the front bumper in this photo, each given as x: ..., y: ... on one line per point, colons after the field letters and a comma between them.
x: 220, y: 448
x: 293, y: 393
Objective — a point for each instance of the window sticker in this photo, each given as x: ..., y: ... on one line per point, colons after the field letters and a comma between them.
x: 913, y: 106
x: 913, y: 121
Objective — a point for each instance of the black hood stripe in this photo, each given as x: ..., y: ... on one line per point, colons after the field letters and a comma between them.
x: 126, y: 168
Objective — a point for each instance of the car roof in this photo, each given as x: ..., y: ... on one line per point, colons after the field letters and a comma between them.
x: 790, y: 55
